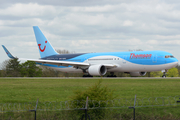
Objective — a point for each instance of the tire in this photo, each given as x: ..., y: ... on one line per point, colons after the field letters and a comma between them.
x: 164, y: 76
x: 114, y: 76
x: 87, y: 76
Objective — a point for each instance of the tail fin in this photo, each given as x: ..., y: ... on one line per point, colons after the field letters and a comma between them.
x: 45, y: 48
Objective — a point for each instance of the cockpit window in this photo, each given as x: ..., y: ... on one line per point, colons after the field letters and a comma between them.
x: 169, y: 56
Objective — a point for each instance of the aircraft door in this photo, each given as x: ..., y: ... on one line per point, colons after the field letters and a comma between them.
x: 154, y: 59
x: 85, y: 59
x: 124, y: 59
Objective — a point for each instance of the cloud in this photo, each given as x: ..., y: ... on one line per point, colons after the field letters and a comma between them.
x: 90, y: 26
x: 127, y: 23
x: 68, y: 3
x: 152, y: 42
x: 28, y: 10
x: 172, y: 42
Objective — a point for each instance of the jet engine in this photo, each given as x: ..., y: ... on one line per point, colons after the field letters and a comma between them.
x: 98, y: 70
x: 136, y: 74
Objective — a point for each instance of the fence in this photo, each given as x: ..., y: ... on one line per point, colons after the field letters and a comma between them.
x: 91, y: 109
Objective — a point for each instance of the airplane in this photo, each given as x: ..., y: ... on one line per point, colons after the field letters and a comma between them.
x: 136, y: 63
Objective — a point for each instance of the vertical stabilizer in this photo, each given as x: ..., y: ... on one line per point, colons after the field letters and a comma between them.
x: 45, y: 48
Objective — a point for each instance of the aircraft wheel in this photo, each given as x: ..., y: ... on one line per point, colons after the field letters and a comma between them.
x: 87, y: 76
x: 90, y: 76
x: 114, y: 76
x: 164, y: 76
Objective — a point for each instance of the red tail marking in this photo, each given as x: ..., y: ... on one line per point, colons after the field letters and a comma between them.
x: 42, y: 50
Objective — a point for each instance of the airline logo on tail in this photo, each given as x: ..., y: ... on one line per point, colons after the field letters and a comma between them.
x: 42, y: 50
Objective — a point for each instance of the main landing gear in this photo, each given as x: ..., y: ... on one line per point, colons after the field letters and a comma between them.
x: 112, y: 75
x: 164, y: 73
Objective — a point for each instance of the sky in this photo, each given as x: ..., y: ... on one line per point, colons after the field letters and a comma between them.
x: 90, y: 26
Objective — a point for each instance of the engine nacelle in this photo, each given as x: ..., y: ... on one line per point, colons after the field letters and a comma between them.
x: 98, y: 70
x: 136, y: 74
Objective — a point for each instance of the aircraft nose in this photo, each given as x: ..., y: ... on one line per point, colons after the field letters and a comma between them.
x: 175, y: 62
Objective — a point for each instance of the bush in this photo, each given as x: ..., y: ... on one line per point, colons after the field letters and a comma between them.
x: 95, y: 93
x: 173, y: 72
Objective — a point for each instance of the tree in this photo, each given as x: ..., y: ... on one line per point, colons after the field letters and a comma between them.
x: 3, y: 68
x: 135, y: 50
x: 29, y: 69
x: 178, y: 67
x: 13, y: 68
x: 173, y: 72
x: 64, y: 51
x: 3, y: 65
x: 49, y: 72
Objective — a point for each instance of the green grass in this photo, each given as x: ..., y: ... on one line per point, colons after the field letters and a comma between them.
x: 21, y: 90
x: 29, y: 89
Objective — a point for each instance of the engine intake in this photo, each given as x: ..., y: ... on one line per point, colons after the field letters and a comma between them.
x: 136, y: 74
x: 98, y: 70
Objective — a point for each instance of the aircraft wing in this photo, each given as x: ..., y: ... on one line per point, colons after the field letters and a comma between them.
x: 65, y: 63
x: 56, y: 62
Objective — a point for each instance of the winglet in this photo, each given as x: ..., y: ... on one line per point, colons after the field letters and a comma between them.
x: 8, y: 53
